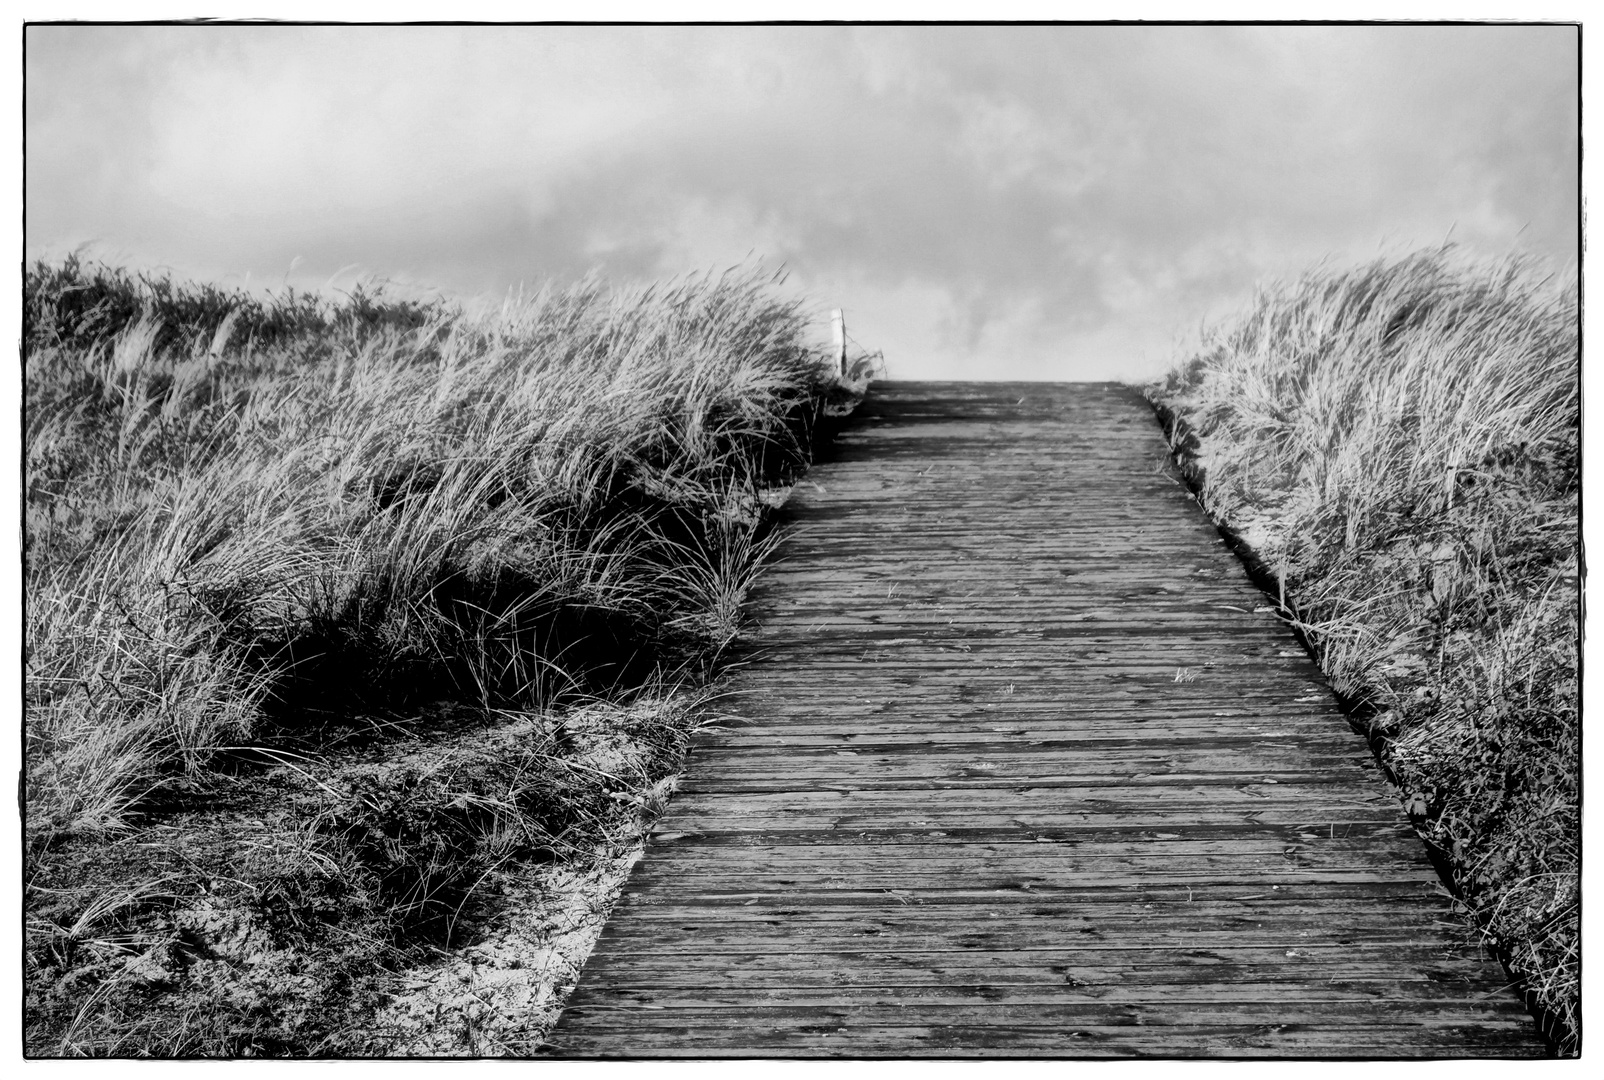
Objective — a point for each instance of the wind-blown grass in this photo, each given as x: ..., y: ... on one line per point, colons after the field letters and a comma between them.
x: 1397, y: 445
x: 255, y: 527
x: 210, y: 526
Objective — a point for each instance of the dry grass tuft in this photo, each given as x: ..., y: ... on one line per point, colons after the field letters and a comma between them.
x: 1397, y: 445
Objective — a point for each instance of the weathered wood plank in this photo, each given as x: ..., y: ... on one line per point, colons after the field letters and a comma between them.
x: 1020, y: 764
x: 825, y: 1034
x: 1155, y: 894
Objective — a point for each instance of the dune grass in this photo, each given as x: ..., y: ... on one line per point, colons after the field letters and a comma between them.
x: 262, y: 533
x: 1396, y: 445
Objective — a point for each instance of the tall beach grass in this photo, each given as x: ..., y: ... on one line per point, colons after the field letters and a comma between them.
x: 254, y: 526
x: 1396, y: 446
x: 217, y: 529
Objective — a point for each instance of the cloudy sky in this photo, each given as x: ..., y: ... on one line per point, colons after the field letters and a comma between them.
x: 1021, y: 202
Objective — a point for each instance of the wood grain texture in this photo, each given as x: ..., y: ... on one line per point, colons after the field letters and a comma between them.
x: 1022, y: 765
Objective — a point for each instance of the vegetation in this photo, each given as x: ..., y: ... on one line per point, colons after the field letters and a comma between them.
x: 1397, y: 448
x: 349, y: 622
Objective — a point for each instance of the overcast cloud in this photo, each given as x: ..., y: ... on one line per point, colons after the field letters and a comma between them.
x: 1018, y: 202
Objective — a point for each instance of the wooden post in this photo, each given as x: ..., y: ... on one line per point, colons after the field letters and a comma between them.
x: 838, y: 325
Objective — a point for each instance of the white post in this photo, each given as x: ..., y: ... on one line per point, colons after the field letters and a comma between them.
x: 838, y: 324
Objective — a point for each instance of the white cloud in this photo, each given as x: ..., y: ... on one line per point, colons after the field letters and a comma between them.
x: 993, y: 201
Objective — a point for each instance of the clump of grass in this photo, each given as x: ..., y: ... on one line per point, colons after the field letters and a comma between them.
x: 274, y: 532
x: 1397, y: 446
x: 78, y: 304
x: 513, y: 504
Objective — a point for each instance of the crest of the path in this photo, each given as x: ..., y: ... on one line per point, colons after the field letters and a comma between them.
x: 1027, y: 766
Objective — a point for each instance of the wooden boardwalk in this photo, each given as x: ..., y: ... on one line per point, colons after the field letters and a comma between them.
x: 1029, y: 769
